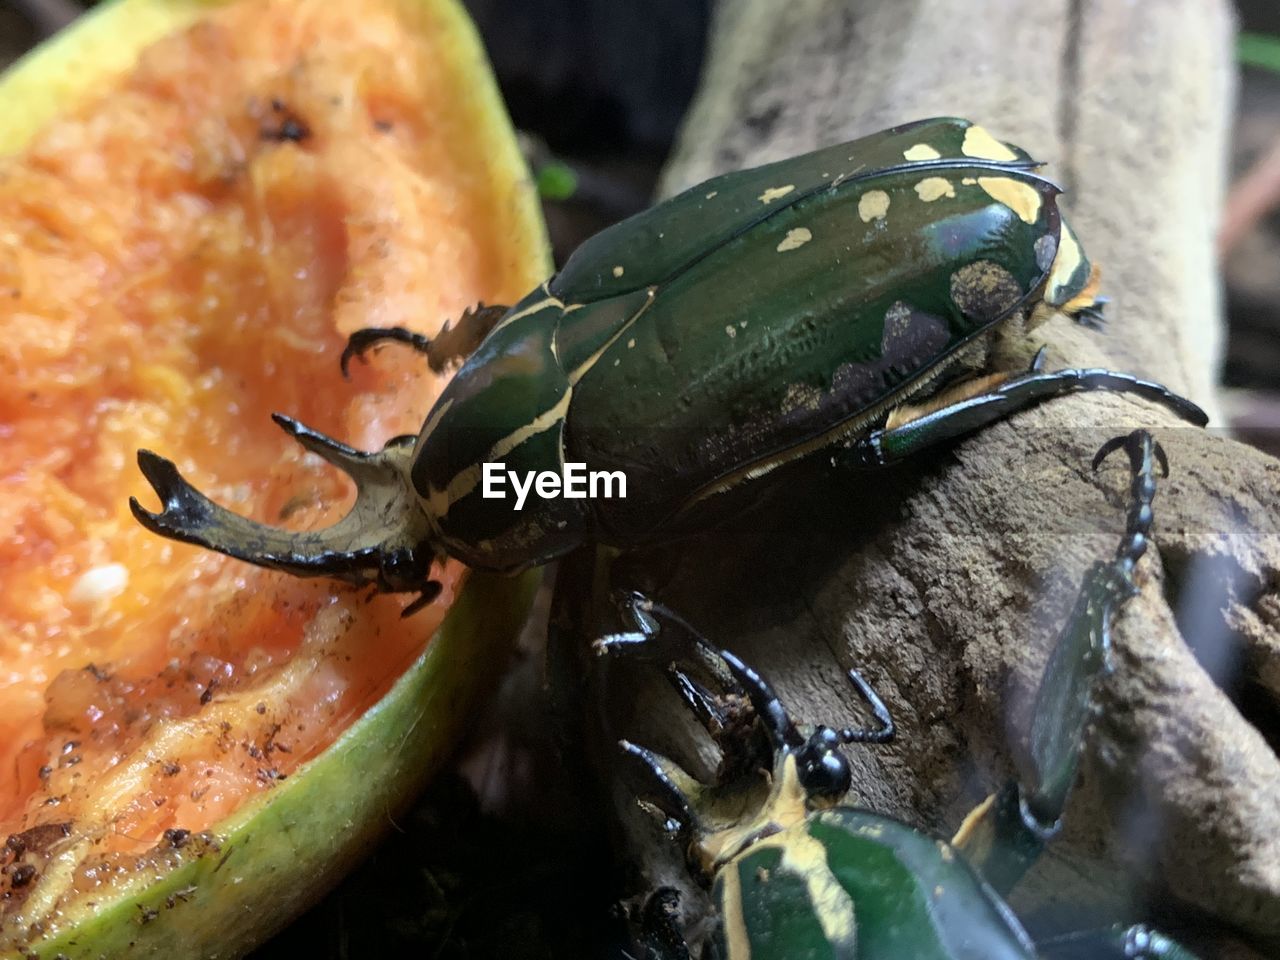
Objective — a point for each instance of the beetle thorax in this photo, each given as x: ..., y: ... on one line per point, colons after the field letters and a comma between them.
x: 784, y: 807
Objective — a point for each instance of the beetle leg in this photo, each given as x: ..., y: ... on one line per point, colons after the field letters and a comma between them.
x: 729, y: 718
x: 1092, y: 316
x: 385, y: 538
x: 769, y: 709
x: 362, y: 341
x: 997, y: 402
x: 453, y: 343
x: 646, y: 619
x: 1138, y: 942
x: 725, y: 715
x: 1003, y: 836
x: 705, y: 705
x: 663, y: 784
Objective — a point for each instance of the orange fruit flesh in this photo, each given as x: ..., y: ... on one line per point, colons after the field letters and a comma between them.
x: 178, y: 259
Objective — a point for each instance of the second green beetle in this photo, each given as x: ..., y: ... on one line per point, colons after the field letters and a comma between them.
x: 762, y: 317
x: 794, y: 872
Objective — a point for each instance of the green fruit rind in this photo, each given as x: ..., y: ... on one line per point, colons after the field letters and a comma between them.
x: 275, y: 856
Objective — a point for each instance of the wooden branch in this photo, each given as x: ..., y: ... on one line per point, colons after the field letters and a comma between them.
x: 946, y: 581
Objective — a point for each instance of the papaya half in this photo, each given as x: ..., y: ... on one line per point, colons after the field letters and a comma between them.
x: 199, y: 201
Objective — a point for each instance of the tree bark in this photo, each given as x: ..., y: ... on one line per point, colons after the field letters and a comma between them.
x: 945, y: 581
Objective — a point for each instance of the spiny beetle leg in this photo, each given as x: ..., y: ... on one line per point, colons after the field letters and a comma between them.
x: 769, y: 709
x: 1003, y: 836
x: 661, y: 783
x: 1083, y: 649
x: 1092, y: 317
x: 454, y: 343
x: 729, y: 719
x: 1138, y: 942
x: 710, y: 709
x: 457, y: 341
x: 654, y: 631
x: 362, y: 341
x: 885, y: 446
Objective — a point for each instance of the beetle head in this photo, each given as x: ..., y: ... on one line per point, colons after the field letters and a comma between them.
x: 824, y: 771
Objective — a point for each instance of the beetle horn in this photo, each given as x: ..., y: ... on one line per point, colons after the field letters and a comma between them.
x: 385, y: 538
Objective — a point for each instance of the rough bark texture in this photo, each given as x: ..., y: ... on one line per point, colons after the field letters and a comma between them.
x: 945, y: 581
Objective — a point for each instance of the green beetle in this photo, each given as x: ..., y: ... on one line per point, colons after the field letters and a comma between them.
x: 796, y: 875
x: 764, y: 316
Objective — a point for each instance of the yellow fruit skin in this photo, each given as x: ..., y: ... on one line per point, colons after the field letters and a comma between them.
x: 278, y: 854
x: 65, y: 70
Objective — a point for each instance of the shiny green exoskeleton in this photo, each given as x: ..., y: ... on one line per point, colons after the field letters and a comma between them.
x: 795, y: 874
x: 751, y: 321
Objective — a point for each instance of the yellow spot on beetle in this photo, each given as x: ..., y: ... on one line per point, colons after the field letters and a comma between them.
x: 969, y: 181
x: 873, y: 205
x: 933, y: 188
x: 805, y: 857
x: 712, y: 194
x: 795, y: 239
x: 733, y: 918
x: 921, y: 151
x: 731, y: 331
x: 618, y: 271
x: 982, y: 145
x: 775, y: 193
x: 1022, y: 198
x: 1065, y: 264
x: 631, y: 344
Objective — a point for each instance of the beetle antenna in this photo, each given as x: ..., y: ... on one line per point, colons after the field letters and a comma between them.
x: 886, y: 730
